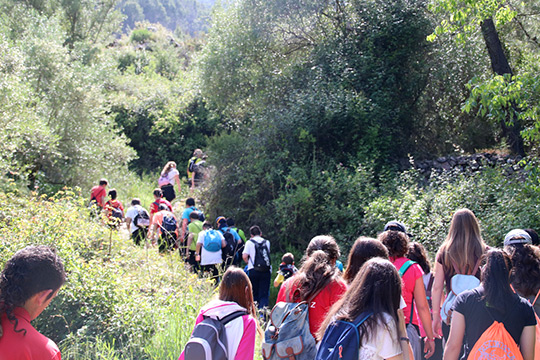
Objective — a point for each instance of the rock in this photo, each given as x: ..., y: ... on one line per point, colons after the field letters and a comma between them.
x: 441, y: 159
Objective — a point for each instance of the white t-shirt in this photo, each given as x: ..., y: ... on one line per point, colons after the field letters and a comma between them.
x: 383, y: 343
x: 131, y: 213
x: 209, y: 257
x: 172, y: 173
x: 249, y: 249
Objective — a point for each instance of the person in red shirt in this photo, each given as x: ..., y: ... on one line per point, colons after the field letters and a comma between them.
x: 28, y: 283
x: 396, y: 240
x: 114, y: 210
x: 318, y: 281
x: 158, y: 199
x: 98, y: 193
x: 164, y: 229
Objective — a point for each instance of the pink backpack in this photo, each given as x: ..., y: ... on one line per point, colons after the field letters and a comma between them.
x: 163, y: 180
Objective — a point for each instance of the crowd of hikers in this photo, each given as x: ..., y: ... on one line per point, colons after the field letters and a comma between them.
x: 477, y: 302
x: 389, y: 302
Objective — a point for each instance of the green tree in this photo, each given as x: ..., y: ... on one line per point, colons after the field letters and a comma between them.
x: 496, y: 96
x: 56, y: 116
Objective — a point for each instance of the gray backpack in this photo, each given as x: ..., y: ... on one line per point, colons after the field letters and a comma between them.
x: 287, y: 335
x: 209, y: 339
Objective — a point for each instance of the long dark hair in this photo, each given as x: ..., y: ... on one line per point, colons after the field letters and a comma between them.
x: 30, y: 271
x: 496, y: 279
x: 376, y: 288
x: 363, y: 249
x: 318, y: 268
x: 417, y: 253
x: 525, y: 275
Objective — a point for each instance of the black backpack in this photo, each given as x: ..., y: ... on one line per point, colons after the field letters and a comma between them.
x: 231, y: 245
x: 262, y: 256
x: 201, y: 214
x: 142, y: 219
x: 169, y: 223
x: 192, y: 166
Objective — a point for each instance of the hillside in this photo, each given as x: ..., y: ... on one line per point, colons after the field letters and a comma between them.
x: 188, y: 16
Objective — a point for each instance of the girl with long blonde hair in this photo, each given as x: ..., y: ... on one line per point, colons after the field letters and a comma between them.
x: 169, y: 176
x: 460, y: 253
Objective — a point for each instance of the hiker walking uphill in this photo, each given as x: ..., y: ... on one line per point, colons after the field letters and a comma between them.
x: 208, y: 253
x: 286, y: 269
x: 525, y: 278
x: 194, y: 228
x: 190, y: 207
x: 396, y: 240
x: 226, y: 326
x: 458, y: 258
x: 114, y: 210
x: 491, y: 319
x: 169, y: 177
x: 318, y: 281
x: 98, y: 194
x: 365, y: 323
x: 164, y: 229
x: 418, y: 254
x: 137, y: 221
x: 28, y: 283
x: 158, y: 200
x: 238, y: 258
x: 194, y: 169
x: 233, y: 241
x: 257, y: 256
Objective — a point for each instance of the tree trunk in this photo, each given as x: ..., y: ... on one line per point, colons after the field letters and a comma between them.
x: 500, y: 66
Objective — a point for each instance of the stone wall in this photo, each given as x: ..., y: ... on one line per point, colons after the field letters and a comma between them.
x: 469, y: 163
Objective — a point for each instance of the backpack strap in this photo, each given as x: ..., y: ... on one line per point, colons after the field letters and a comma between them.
x: 476, y: 266
x: 536, y: 298
x: 363, y: 317
x: 200, y: 228
x: 406, y: 265
x: 412, y: 311
x: 475, y: 269
x: 431, y: 281
x: 226, y: 319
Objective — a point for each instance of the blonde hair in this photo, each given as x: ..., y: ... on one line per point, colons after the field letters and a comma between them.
x: 463, y: 244
x: 197, y: 153
x: 168, y: 167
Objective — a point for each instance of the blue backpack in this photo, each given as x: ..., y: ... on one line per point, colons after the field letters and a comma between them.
x: 212, y: 241
x: 341, y: 339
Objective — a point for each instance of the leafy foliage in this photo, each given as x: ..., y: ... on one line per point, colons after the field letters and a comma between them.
x: 510, y: 98
x: 500, y: 203
x: 154, y: 102
x: 122, y: 302
x: 54, y: 113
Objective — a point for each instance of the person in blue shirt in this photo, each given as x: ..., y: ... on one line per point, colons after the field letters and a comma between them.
x: 190, y: 207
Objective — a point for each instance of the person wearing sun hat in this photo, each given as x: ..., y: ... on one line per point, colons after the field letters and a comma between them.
x: 525, y: 275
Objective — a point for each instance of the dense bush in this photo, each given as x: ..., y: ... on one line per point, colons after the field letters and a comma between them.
x: 129, y: 301
x: 500, y: 203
